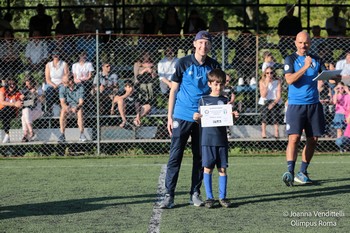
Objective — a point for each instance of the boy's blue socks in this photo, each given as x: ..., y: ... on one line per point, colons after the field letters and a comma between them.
x: 291, y: 166
x: 207, y: 178
x: 303, y: 167
x: 222, y: 186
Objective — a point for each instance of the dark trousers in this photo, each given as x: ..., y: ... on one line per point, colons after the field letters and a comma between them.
x: 52, y: 97
x: 6, y: 116
x: 178, y: 144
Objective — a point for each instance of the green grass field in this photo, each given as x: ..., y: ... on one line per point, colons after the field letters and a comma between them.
x: 119, y: 195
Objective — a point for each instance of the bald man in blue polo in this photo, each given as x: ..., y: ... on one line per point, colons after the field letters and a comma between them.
x: 304, y: 112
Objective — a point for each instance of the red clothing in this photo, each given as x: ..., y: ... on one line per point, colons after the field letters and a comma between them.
x: 9, y: 98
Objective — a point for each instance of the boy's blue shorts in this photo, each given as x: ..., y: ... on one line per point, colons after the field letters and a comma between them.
x: 309, y: 117
x: 215, y: 155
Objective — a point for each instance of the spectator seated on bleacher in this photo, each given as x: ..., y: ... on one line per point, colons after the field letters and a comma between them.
x: 166, y: 68
x: 72, y: 100
x: 145, y: 76
x: 129, y: 104
x: 108, y: 87
x: 54, y: 72
x: 344, y: 65
x: 31, y: 111
x: 10, y: 102
x: 82, y: 73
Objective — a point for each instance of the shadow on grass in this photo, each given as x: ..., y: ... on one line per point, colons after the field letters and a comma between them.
x: 296, y: 192
x: 73, y: 206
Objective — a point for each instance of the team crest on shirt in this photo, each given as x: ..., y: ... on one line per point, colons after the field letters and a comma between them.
x: 286, y: 67
x: 190, y: 72
x: 175, y: 124
x: 220, y: 102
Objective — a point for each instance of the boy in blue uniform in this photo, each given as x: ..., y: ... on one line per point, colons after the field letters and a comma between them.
x: 305, y: 112
x: 214, y: 142
x: 188, y: 84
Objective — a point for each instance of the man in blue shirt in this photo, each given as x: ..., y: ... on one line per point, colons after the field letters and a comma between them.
x: 189, y: 83
x: 304, y: 111
x: 71, y: 99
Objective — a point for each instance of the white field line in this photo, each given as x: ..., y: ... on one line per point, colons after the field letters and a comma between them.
x: 157, y: 165
x: 154, y: 223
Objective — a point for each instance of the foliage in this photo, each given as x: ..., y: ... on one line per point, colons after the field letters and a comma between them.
x: 267, y: 16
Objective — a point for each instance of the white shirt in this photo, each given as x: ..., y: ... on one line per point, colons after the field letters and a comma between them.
x: 346, y: 70
x: 82, y: 71
x: 340, y: 64
x: 56, y: 73
x: 271, y: 93
x: 166, y: 68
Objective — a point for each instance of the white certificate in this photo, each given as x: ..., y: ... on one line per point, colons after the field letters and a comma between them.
x: 216, y: 115
x: 327, y: 74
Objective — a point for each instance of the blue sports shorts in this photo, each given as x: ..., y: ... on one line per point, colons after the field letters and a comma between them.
x: 309, y: 117
x: 215, y: 155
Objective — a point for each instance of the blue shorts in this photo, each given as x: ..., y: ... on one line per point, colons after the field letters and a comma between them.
x: 309, y: 117
x: 215, y: 155
x: 339, y: 121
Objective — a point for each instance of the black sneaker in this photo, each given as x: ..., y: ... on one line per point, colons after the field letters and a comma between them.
x: 24, y: 139
x: 62, y: 138
x: 209, y: 203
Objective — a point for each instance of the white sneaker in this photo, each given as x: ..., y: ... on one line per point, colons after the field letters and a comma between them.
x: 6, y: 139
x: 82, y: 138
x: 34, y: 137
x: 252, y: 81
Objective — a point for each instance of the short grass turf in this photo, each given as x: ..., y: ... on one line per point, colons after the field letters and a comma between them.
x: 118, y: 195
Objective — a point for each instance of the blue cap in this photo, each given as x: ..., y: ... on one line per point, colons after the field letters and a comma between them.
x: 203, y: 35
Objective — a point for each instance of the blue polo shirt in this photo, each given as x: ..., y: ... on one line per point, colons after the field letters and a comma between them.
x: 303, y: 91
x: 193, y: 84
x: 72, y: 96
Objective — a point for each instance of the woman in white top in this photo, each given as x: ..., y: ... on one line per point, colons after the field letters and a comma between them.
x: 54, y: 71
x: 82, y: 70
x: 270, y: 100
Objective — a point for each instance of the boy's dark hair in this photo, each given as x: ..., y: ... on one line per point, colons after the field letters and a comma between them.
x: 217, y: 75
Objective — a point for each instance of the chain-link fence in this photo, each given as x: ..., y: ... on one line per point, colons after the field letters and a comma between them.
x: 137, y: 68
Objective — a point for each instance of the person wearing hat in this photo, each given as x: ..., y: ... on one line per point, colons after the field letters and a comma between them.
x: 54, y: 72
x: 188, y: 84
